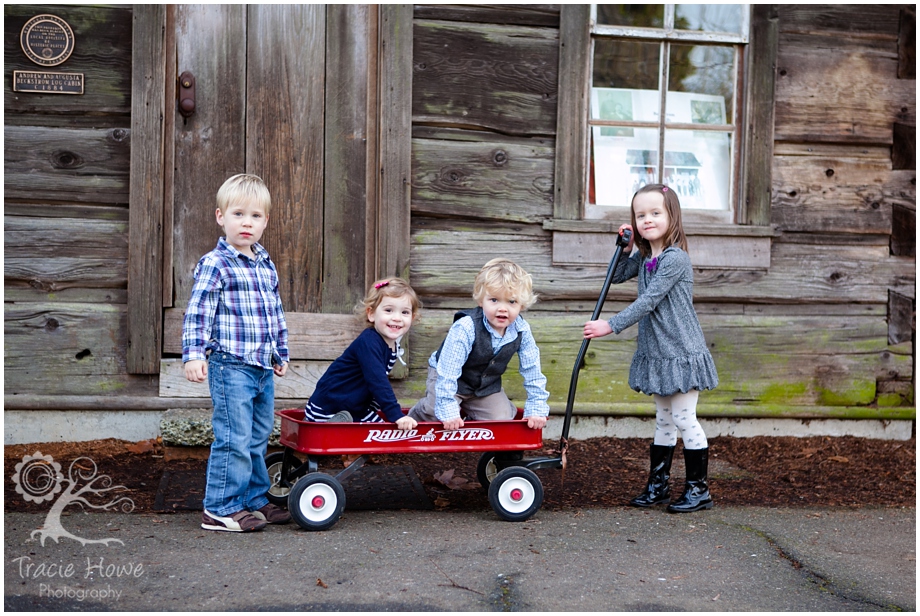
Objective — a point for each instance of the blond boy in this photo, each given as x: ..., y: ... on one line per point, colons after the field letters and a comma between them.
x: 465, y: 373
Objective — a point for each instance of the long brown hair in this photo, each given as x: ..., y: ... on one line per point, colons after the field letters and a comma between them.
x: 675, y: 235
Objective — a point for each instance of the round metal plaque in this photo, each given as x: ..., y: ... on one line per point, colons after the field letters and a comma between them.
x: 47, y: 40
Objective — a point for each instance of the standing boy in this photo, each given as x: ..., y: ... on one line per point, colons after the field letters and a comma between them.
x: 466, y: 372
x: 235, y: 336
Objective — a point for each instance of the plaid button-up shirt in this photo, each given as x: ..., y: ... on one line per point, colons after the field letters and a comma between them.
x: 235, y: 308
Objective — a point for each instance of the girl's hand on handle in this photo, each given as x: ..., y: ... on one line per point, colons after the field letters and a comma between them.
x: 629, y: 246
x: 406, y: 423
x: 596, y: 329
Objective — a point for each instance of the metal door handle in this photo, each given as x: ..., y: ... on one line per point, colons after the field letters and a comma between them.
x: 186, y: 94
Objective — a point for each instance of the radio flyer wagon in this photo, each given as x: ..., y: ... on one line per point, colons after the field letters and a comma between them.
x: 316, y: 499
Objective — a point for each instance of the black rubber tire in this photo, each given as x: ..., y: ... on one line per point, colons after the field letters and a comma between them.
x: 316, y: 501
x: 277, y: 493
x: 516, y: 493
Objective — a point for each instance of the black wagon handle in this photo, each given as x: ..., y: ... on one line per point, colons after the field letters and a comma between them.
x: 622, y: 242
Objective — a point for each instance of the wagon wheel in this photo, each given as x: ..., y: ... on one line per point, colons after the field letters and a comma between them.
x: 489, y: 466
x: 316, y: 501
x: 278, y: 492
x: 516, y: 493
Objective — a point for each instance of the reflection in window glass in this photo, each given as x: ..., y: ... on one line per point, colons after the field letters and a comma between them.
x: 620, y: 64
x: 708, y: 17
x: 640, y: 15
x: 706, y: 70
x: 697, y: 165
x: 624, y: 160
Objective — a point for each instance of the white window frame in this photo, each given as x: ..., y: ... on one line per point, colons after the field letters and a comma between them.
x: 741, y: 244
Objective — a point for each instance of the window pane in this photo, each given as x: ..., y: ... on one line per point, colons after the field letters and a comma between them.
x: 707, y: 17
x: 640, y: 15
x: 697, y: 166
x: 707, y: 72
x: 626, y: 64
x: 622, y: 163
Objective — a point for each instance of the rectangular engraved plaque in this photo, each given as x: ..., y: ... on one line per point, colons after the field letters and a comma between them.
x: 44, y: 82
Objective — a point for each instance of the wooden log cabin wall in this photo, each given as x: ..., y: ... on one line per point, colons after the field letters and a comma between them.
x: 825, y: 330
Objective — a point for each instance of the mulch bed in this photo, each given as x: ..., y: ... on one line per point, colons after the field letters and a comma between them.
x: 600, y: 472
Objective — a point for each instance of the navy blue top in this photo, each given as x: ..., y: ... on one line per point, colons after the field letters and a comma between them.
x: 358, y: 376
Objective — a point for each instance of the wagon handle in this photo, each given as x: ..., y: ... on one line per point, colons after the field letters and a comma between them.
x: 622, y: 242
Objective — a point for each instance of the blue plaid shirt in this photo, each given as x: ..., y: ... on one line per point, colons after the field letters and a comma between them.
x: 457, y: 347
x: 235, y: 308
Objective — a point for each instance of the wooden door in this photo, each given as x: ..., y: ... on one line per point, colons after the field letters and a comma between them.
x: 289, y: 93
x: 260, y: 108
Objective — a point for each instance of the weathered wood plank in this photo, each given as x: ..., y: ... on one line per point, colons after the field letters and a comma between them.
x: 394, y: 161
x: 284, y: 140
x: 757, y: 185
x: 874, y: 19
x: 445, y: 261
x: 87, y: 211
x: 298, y: 383
x: 66, y: 164
x: 571, y: 166
x: 482, y: 180
x: 711, y: 251
x: 145, y: 253
x: 210, y: 145
x: 69, y: 349
x: 349, y: 47
x: 516, y: 15
x: 834, y: 361
x: 53, y: 275
x: 102, y: 52
x: 500, y: 78
x: 854, y: 77
x: 834, y: 195
x: 311, y: 335
x: 22, y: 292
x: 44, y: 238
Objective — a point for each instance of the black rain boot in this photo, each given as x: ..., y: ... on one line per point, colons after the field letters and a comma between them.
x: 657, y: 491
x: 696, y: 489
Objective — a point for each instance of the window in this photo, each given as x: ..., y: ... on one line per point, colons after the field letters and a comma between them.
x: 677, y: 94
x: 696, y: 50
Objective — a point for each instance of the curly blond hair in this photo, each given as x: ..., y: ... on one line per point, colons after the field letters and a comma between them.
x: 506, y: 277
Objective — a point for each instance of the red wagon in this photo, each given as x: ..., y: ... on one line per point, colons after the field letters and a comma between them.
x: 316, y: 500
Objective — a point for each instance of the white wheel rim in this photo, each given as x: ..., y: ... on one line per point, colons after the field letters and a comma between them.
x: 318, y: 502
x: 274, y: 480
x: 516, y: 495
x: 491, y: 470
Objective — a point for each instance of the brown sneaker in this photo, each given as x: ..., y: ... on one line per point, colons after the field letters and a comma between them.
x: 272, y: 514
x: 239, y: 522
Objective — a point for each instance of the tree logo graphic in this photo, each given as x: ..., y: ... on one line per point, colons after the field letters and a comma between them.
x: 38, y: 479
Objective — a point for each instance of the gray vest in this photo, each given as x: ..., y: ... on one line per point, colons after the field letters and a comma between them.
x: 482, y: 373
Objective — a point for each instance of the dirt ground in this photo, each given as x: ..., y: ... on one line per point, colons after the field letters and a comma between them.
x: 600, y: 472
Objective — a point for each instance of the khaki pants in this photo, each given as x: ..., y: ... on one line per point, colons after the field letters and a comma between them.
x: 495, y: 406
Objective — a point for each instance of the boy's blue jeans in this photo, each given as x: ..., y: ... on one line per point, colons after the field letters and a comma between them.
x: 244, y: 401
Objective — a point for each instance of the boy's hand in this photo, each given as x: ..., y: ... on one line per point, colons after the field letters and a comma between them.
x: 453, y: 424
x: 406, y: 423
x: 536, y: 423
x: 196, y: 370
x: 280, y: 370
x: 596, y: 329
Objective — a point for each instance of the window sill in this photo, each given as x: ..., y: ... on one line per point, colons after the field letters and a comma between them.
x: 712, y: 246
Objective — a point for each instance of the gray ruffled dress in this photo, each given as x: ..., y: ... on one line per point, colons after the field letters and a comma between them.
x: 672, y: 355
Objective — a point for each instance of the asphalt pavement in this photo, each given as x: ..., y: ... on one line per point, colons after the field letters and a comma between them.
x: 619, y: 559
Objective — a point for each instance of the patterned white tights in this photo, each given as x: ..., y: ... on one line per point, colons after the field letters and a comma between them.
x: 678, y: 413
